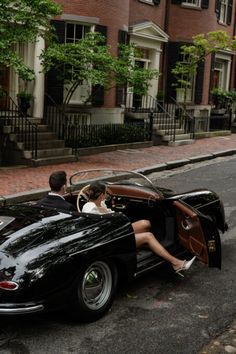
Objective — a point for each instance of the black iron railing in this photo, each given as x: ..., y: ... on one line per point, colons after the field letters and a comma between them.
x: 54, y: 116
x: 76, y: 130
x: 14, y: 122
x: 105, y: 134
x: 169, y: 117
x: 220, y: 122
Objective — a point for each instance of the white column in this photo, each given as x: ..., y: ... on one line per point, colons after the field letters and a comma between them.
x: 154, y: 56
x: 39, y: 80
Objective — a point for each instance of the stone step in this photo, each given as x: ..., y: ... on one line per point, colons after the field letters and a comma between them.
x: 51, y: 144
x: 19, y: 128
x: 52, y: 160
x: 181, y: 142
x: 42, y: 136
x: 35, y: 120
x: 46, y: 153
x: 165, y: 131
x: 177, y: 137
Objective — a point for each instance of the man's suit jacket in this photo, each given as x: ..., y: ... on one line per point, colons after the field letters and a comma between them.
x: 54, y: 201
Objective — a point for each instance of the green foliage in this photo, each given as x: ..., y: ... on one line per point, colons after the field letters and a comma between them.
x: 91, y: 62
x: 21, y: 21
x: 223, y: 99
x: 25, y: 95
x: 108, y: 134
x: 192, y: 55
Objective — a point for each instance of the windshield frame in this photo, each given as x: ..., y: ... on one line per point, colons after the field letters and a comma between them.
x: 118, y: 173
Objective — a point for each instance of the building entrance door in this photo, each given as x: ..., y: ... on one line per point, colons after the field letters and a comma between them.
x: 4, y: 81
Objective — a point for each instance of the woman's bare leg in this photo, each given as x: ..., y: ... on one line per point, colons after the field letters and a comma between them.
x: 147, y: 238
x: 141, y: 226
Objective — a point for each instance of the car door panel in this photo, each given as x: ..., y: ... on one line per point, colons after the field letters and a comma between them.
x: 198, y: 234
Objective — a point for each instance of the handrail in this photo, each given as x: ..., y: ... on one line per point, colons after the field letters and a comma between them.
x: 169, y: 116
x: 54, y: 116
x: 20, y: 125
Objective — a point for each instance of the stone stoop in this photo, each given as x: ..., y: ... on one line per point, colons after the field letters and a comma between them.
x: 160, y: 138
x: 51, y: 150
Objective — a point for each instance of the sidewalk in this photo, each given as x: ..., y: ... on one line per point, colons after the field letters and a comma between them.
x: 18, y: 179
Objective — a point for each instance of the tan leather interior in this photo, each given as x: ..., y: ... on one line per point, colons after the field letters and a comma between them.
x: 190, y: 232
x: 131, y: 192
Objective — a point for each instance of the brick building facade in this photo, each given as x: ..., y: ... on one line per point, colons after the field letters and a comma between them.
x: 158, y: 27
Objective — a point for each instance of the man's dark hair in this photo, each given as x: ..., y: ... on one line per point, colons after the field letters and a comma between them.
x: 57, y: 180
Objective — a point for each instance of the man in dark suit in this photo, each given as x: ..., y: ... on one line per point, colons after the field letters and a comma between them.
x: 55, y: 199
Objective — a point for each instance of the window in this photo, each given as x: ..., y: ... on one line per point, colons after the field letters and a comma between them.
x: 223, y: 11
x: 196, y: 3
x: 74, y: 32
x: 221, y: 75
x: 187, y: 91
x: 147, y: 1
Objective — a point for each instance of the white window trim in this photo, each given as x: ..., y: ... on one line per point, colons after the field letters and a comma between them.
x: 85, y: 88
x: 148, y: 2
x: 191, y: 5
x: 225, y: 73
x: 224, y: 20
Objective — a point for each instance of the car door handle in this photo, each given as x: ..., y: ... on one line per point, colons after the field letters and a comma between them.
x: 186, y: 225
x: 120, y: 206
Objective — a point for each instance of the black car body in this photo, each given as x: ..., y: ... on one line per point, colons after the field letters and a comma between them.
x: 52, y: 259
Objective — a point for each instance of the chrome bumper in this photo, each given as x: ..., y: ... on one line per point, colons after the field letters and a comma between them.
x: 18, y: 309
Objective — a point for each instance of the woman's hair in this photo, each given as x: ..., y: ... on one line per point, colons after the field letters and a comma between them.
x: 95, y: 190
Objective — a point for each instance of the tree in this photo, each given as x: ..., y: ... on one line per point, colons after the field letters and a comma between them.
x: 21, y: 21
x: 90, y: 61
x: 192, y: 54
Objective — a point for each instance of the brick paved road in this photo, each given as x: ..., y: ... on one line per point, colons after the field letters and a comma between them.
x: 19, y: 179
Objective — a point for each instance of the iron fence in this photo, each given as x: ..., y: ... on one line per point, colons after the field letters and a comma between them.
x: 79, y: 136
x: 13, y: 121
x: 220, y: 122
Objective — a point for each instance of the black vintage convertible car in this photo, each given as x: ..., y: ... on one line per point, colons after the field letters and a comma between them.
x: 52, y: 259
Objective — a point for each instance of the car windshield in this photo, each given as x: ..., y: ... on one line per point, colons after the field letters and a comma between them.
x: 84, y: 177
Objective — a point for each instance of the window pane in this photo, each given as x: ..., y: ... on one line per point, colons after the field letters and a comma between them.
x: 70, y: 30
x: 192, y: 2
x: 79, y: 32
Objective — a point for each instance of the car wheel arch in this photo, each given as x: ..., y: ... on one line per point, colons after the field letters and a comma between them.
x: 80, y: 306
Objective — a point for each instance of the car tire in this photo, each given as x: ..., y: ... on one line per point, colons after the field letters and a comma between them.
x: 94, y: 291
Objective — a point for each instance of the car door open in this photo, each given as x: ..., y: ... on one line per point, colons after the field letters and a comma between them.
x: 198, y: 234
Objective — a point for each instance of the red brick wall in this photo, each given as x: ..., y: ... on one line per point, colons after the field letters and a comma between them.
x: 111, y: 13
x: 185, y: 22
x: 140, y: 11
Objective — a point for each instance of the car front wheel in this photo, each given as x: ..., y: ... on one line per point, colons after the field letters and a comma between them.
x: 94, y: 291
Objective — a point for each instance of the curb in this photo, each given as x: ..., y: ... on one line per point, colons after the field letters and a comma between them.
x: 39, y: 193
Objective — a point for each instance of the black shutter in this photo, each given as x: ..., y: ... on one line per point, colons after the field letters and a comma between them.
x: 217, y: 8
x: 102, y: 30
x: 173, y: 49
x: 229, y: 12
x: 156, y: 2
x: 98, y: 95
x: 120, y: 90
x: 97, y: 90
x: 122, y: 37
x: 205, y: 4
x: 54, y: 84
x: 176, y: 1
x: 199, y: 82
x: 212, y: 74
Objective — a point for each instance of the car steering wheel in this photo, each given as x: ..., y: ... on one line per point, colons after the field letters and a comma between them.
x: 82, y: 197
